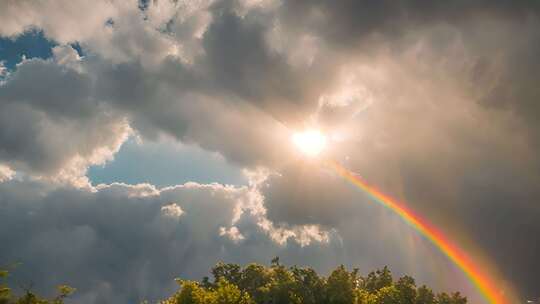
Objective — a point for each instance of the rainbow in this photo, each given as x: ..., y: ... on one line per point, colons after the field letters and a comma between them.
x: 480, y: 280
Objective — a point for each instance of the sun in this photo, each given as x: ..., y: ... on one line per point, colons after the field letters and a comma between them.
x: 310, y: 142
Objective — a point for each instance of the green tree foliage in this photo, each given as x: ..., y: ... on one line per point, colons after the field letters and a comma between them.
x: 281, y: 288
x: 308, y: 286
x: 424, y: 295
x: 277, y: 284
x: 454, y: 298
x: 341, y: 285
x: 406, y: 288
x: 223, y: 292
x: 254, y: 280
x: 388, y: 295
x: 7, y: 296
x: 5, y: 292
x: 229, y: 272
x: 377, y: 280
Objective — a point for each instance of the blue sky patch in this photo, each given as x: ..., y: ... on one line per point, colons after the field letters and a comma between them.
x: 31, y: 44
x: 165, y: 163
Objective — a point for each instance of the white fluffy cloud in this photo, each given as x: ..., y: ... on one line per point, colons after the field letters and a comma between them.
x: 5, y: 173
x: 64, y: 21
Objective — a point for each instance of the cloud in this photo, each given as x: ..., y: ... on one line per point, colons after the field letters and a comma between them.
x: 114, y: 237
x: 232, y: 233
x: 5, y: 173
x: 64, y: 21
x: 134, y: 72
x: 434, y: 102
x: 118, y: 236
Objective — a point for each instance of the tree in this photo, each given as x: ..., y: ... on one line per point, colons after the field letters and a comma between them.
x: 281, y: 286
x: 224, y: 292
x: 29, y: 297
x: 277, y: 284
x: 377, y: 280
x: 190, y: 293
x: 424, y: 295
x: 64, y: 291
x: 308, y: 285
x: 5, y: 291
x: 443, y: 298
x: 388, y: 295
x: 341, y: 285
x: 228, y: 293
x: 227, y: 271
x: 364, y: 297
x: 407, y: 290
x: 253, y: 279
x: 454, y: 298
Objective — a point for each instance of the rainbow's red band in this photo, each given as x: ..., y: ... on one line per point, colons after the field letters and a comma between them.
x: 480, y: 280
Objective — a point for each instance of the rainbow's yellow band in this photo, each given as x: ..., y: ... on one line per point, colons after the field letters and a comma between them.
x: 456, y: 255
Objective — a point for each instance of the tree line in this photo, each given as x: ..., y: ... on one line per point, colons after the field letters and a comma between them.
x: 278, y: 284
x: 29, y: 297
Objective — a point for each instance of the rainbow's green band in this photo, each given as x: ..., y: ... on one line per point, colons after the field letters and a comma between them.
x: 456, y: 255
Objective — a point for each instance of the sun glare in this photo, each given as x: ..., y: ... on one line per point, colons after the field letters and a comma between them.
x: 310, y: 142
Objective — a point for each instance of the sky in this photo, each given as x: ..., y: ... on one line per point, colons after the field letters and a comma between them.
x: 142, y: 141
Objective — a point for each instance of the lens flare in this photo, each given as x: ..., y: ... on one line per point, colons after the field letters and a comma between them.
x: 310, y: 142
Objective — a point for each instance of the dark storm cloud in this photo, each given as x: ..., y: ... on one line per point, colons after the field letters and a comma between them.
x: 240, y: 62
x: 349, y: 22
x: 73, y: 100
x: 48, y: 112
x: 331, y: 201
